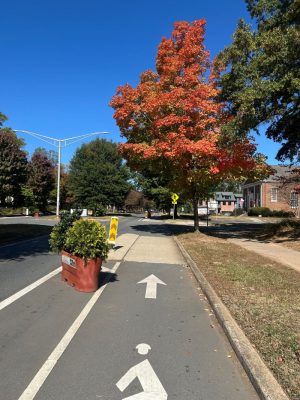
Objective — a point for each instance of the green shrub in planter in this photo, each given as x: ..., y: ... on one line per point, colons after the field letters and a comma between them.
x: 87, y: 239
x: 58, y: 234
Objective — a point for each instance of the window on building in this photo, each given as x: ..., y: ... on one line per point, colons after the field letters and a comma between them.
x: 294, y: 199
x: 224, y: 203
x: 274, y: 194
x: 229, y: 203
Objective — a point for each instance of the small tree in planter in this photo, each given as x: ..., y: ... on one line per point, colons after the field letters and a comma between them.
x: 58, y: 234
x: 87, y: 239
x: 84, y: 249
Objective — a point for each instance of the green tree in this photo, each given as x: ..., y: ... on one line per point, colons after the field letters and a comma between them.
x: 155, y: 187
x: 13, y: 165
x: 262, y: 79
x: 3, y: 118
x: 41, y: 178
x: 98, y: 176
x: 52, y: 155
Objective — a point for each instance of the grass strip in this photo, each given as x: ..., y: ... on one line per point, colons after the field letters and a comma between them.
x: 16, y: 232
x: 263, y: 297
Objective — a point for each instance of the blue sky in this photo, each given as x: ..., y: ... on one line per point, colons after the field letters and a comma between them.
x: 61, y: 61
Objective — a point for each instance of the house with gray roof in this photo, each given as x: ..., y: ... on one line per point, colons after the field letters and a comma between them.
x: 228, y: 201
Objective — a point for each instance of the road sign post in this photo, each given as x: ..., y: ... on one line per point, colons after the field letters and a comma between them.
x: 174, y: 198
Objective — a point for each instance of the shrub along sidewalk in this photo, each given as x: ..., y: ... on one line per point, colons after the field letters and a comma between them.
x: 263, y: 297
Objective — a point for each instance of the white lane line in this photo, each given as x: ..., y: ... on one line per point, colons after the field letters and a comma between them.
x: 27, y: 289
x: 37, y: 382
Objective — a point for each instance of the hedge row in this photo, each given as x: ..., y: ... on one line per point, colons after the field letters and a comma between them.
x: 266, y: 212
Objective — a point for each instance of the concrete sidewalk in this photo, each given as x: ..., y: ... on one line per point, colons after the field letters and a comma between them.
x: 283, y: 255
x: 150, y: 249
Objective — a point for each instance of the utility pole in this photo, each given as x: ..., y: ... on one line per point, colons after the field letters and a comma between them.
x: 59, y: 143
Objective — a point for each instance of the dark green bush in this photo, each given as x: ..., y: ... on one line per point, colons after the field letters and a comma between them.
x: 282, y: 214
x: 99, y: 211
x: 58, y: 234
x: 266, y: 212
x: 11, y: 211
x: 256, y: 211
x: 238, y: 211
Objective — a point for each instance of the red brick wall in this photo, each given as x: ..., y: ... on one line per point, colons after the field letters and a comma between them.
x: 226, y: 207
x: 283, y: 198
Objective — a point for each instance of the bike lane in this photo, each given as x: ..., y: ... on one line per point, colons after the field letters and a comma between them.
x: 150, y: 340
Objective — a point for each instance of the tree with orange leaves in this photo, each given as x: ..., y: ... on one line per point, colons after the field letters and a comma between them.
x: 172, y: 120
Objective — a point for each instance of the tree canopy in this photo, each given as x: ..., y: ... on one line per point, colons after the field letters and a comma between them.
x: 40, y: 178
x: 173, y: 121
x: 97, y: 175
x: 262, y: 80
x: 3, y: 118
x: 13, y: 165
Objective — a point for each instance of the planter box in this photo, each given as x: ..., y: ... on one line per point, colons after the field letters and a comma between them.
x: 80, y: 275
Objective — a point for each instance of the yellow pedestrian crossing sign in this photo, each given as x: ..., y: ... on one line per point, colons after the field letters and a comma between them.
x: 174, y: 198
x: 113, y: 230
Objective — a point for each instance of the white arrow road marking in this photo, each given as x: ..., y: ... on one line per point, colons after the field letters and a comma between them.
x: 152, y: 387
x: 152, y: 281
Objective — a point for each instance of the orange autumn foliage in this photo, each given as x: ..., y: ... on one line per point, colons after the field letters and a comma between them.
x: 173, y: 114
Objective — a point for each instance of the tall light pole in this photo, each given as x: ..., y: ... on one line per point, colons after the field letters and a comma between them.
x: 59, y: 143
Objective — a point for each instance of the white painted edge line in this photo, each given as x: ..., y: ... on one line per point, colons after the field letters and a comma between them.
x: 28, y: 289
x: 37, y: 382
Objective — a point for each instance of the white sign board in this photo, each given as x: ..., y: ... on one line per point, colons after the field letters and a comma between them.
x: 202, y: 210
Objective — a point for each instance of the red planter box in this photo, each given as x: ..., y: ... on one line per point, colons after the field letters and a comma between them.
x: 83, y: 276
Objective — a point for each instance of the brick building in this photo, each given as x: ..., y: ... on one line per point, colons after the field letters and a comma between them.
x: 276, y: 192
x: 228, y: 201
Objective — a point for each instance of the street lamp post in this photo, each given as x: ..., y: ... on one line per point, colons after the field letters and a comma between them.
x: 60, y: 143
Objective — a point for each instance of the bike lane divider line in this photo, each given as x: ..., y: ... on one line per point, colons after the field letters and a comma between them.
x: 37, y: 382
x: 28, y: 288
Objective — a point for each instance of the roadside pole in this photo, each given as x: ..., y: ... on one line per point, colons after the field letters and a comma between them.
x: 174, y: 198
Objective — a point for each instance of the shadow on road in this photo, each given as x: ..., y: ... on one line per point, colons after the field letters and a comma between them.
x: 233, y: 230
x: 224, y: 230
x: 107, y: 277
x: 18, y: 251
x: 163, y: 229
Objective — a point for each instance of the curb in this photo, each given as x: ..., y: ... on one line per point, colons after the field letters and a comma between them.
x: 259, y: 374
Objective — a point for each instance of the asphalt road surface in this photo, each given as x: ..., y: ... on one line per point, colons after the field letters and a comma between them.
x: 147, y: 334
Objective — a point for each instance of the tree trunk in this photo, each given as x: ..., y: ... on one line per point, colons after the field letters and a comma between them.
x: 196, y: 215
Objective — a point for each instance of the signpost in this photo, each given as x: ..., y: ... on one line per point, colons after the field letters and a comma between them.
x: 174, y: 197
